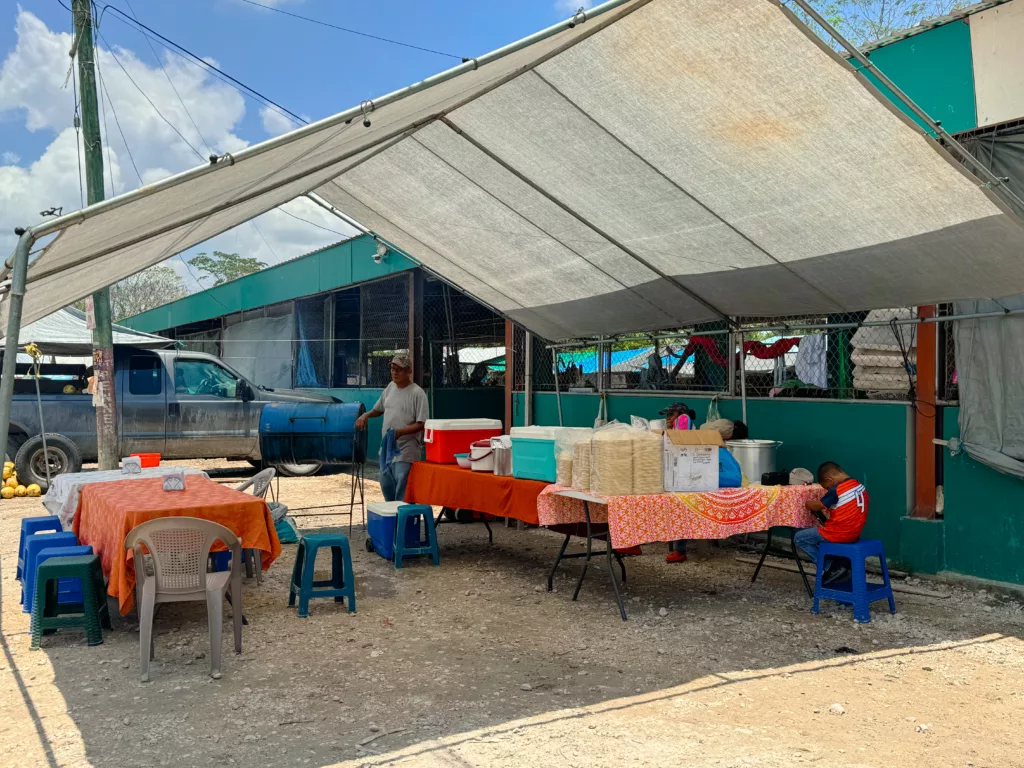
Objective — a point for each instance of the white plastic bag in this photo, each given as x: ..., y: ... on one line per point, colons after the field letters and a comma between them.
x: 602, y: 412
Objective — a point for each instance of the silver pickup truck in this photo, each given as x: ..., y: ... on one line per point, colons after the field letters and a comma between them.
x: 182, y: 405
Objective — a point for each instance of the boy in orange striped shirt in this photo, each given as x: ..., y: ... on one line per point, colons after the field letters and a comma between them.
x: 843, y: 510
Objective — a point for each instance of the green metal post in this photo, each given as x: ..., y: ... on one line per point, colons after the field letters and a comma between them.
x: 102, y: 332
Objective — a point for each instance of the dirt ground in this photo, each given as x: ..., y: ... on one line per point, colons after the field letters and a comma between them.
x: 475, y: 664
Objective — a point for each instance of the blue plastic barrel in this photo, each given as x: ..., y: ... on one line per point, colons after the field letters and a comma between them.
x: 303, y: 433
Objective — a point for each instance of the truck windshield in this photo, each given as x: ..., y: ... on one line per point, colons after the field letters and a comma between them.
x: 202, y: 377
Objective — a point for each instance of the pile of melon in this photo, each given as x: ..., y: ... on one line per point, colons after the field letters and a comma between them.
x: 12, y: 487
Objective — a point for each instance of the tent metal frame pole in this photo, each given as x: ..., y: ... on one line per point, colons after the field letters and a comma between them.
x: 558, y: 389
x: 341, y: 215
x: 586, y: 222
x: 226, y: 160
x: 743, y: 380
x: 15, y: 301
x: 528, y: 380
x: 979, y: 168
x: 731, y: 388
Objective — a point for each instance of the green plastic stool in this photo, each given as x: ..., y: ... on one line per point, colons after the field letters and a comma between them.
x: 92, y: 615
x: 342, y: 583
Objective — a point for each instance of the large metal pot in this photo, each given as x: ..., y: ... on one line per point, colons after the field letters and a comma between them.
x: 755, y: 457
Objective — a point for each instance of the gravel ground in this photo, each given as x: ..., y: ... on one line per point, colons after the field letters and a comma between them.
x: 475, y: 664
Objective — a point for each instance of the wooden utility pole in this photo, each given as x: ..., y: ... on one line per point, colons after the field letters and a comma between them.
x: 100, y: 321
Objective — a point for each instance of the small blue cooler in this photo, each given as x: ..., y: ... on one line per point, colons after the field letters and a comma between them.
x: 380, y: 525
x: 533, y: 453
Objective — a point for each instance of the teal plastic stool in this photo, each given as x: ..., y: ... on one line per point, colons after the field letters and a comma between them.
x: 342, y: 583
x: 427, y: 546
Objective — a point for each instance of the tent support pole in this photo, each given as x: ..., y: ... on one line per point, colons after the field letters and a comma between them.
x: 528, y: 381
x: 743, y: 380
x: 558, y: 390
x: 15, y: 300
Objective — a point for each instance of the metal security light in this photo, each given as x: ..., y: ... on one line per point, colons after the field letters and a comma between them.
x: 382, y: 253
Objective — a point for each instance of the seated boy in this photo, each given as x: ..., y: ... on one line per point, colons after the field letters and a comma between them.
x: 843, y: 510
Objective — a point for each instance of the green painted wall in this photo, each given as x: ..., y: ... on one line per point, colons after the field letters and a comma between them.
x: 334, y: 267
x: 936, y: 70
x: 868, y: 439
x: 984, y: 515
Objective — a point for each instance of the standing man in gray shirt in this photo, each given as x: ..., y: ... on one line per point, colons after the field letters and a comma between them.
x: 403, y: 404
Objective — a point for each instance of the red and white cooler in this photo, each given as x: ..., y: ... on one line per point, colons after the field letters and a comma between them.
x: 446, y: 437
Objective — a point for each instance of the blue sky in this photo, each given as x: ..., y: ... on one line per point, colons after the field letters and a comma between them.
x: 311, y: 70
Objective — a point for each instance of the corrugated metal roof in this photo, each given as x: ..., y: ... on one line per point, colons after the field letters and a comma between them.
x: 932, y: 23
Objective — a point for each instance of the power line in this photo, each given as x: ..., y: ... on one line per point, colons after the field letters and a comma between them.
x: 195, y: 59
x: 354, y: 31
x: 103, y: 112
x: 110, y: 49
x: 312, y: 223
x: 267, y: 242
x: 171, y: 82
x: 103, y: 87
x: 75, y: 119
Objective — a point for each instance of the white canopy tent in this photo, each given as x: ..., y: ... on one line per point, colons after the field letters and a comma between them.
x: 66, y: 333
x: 655, y: 164
x: 649, y: 164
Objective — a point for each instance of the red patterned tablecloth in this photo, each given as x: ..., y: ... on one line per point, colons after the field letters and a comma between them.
x: 635, y: 520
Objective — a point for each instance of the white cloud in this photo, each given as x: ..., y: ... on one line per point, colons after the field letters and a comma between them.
x: 31, y: 90
x: 569, y: 7
x: 11, y: 158
x: 275, y: 123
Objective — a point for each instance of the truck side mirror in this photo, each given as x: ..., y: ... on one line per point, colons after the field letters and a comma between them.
x: 245, y: 392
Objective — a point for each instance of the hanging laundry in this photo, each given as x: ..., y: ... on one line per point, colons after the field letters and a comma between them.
x: 811, y: 365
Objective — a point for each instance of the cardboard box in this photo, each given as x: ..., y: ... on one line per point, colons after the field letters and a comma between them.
x: 691, y: 460
x: 695, y: 437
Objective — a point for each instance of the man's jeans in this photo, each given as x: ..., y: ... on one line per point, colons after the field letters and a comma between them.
x: 392, y: 481
x: 808, y: 540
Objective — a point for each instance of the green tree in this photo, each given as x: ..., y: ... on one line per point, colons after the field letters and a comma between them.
x: 143, y: 291
x: 225, y: 267
x: 866, y: 21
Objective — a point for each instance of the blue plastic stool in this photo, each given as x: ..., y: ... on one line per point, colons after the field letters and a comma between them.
x: 408, y: 513
x: 30, y: 525
x: 69, y: 591
x: 857, y: 590
x: 342, y: 583
x: 34, y: 544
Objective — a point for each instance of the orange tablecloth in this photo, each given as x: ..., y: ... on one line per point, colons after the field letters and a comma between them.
x: 635, y: 520
x: 107, y: 512
x: 449, y: 485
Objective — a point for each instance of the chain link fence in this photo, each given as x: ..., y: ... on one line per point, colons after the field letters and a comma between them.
x: 463, y: 341
x: 848, y: 356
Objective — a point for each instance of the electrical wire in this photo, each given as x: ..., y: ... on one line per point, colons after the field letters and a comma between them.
x: 167, y: 74
x: 197, y: 60
x: 267, y: 242
x: 313, y: 223
x: 354, y: 31
x: 117, y: 122
x: 103, y: 112
x: 77, y: 122
x: 146, y: 97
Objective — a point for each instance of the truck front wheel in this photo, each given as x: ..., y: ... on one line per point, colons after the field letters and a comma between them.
x: 62, y: 455
x: 298, y: 470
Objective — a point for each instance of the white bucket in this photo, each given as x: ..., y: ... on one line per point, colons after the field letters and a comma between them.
x: 481, y: 457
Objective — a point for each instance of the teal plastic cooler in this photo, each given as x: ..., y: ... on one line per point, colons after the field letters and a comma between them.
x: 533, y: 454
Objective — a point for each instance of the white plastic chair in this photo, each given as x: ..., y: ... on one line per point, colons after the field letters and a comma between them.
x: 174, y: 570
x: 260, y: 484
